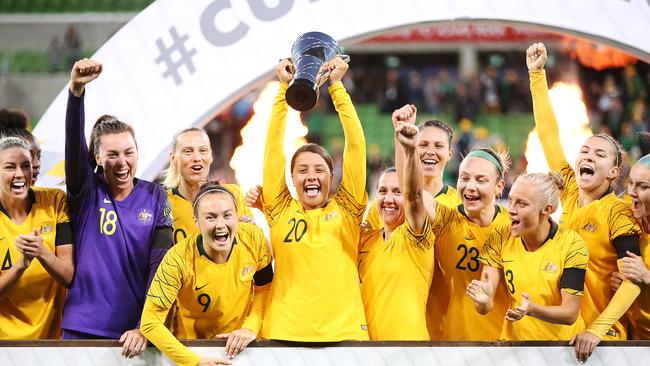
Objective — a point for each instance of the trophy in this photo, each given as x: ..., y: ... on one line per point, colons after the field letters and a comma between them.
x: 309, y: 52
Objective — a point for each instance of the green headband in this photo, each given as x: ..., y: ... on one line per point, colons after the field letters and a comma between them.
x: 645, y: 160
x: 487, y: 156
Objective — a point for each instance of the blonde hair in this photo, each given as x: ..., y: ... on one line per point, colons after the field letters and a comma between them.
x: 500, y: 159
x: 173, y: 173
x: 549, y: 186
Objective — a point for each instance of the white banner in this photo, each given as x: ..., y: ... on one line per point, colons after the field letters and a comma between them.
x: 335, y: 356
x: 178, y: 63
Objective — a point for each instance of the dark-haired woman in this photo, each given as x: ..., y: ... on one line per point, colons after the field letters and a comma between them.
x: 591, y: 208
x: 315, y: 296
x: 122, y: 224
x: 434, y: 148
x: 35, y: 249
x: 218, y: 276
x: 396, y: 264
x: 15, y: 123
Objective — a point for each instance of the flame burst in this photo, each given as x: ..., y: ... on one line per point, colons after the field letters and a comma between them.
x: 573, y: 122
x: 248, y: 159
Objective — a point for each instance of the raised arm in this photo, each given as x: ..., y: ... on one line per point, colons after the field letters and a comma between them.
x: 77, y: 168
x: 545, y: 121
x: 354, y: 153
x: 413, y: 187
x: 406, y: 114
x: 274, y: 160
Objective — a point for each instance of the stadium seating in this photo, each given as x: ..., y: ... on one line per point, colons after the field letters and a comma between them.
x: 72, y: 6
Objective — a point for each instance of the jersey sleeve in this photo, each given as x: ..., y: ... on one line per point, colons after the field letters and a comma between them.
x: 353, y: 181
x: 153, y: 328
x: 275, y: 193
x: 61, y: 207
x: 577, y: 254
x: 570, y: 189
x: 545, y: 121
x: 169, y: 278
x: 77, y: 168
x: 621, y: 221
x: 425, y: 240
x: 64, y: 234
x: 164, y: 209
x: 445, y: 218
x: 373, y: 218
x: 576, y: 260
x: 490, y: 254
x: 262, y: 278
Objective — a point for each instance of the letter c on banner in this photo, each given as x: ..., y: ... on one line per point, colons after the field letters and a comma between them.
x: 210, y: 31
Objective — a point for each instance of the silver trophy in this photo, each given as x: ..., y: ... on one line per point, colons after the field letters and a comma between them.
x: 309, y: 52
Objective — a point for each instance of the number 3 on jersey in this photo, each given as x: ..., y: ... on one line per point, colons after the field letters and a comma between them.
x: 107, y: 221
x: 297, y: 231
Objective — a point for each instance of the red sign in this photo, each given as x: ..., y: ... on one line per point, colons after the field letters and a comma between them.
x: 455, y: 33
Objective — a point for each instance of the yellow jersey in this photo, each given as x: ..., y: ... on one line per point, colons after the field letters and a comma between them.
x: 316, y: 295
x: 33, y: 307
x: 211, y: 298
x: 458, y: 244
x: 540, y: 274
x: 598, y: 223
x: 395, y: 280
x: 183, y: 212
x: 639, y: 313
x: 439, y: 293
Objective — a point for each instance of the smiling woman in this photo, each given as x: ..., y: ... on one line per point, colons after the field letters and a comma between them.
x: 546, y: 306
x: 35, y: 248
x: 218, y: 277
x: 590, y: 207
x: 14, y: 123
x: 460, y: 233
x: 122, y: 224
x: 315, y: 295
x: 189, y: 166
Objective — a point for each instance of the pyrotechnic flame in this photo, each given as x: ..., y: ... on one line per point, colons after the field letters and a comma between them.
x: 248, y: 159
x: 573, y: 122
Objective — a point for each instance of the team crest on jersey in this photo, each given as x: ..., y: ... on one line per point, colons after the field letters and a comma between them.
x: 589, y: 227
x: 47, y: 228
x: 247, y: 269
x: 550, y: 268
x: 331, y: 215
x: 144, y: 216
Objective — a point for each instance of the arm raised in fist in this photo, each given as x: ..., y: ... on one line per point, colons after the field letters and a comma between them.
x: 407, y: 114
x: 536, y: 57
x: 83, y: 72
x: 285, y: 70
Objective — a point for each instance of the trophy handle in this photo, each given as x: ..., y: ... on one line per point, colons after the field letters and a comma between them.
x: 326, y: 74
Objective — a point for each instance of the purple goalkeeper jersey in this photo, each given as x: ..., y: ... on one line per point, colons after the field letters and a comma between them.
x: 116, y: 253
